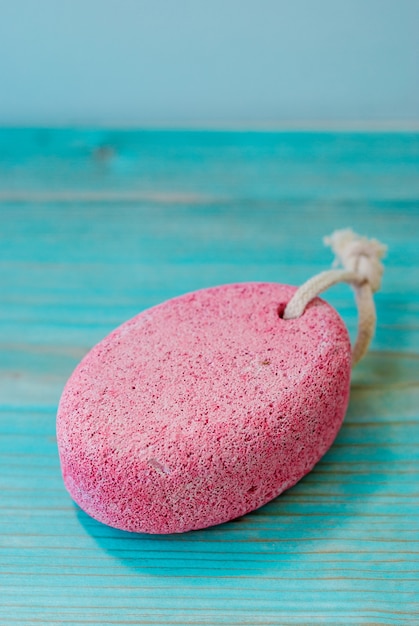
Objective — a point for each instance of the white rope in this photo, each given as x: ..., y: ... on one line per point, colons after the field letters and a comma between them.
x: 362, y: 268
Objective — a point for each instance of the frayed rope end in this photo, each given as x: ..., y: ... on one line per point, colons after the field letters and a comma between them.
x: 358, y: 254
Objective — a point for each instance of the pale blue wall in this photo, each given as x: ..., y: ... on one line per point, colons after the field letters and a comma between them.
x: 142, y: 61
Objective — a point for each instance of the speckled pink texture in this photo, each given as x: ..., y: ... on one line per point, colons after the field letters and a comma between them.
x: 203, y: 408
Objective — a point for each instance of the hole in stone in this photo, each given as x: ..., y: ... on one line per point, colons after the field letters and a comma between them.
x: 281, y: 308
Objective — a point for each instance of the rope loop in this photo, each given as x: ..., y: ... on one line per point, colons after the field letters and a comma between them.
x: 360, y: 259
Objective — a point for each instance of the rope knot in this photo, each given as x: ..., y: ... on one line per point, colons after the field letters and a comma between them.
x: 359, y: 255
x: 362, y: 268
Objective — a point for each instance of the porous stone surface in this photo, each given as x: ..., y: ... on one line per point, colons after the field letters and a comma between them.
x: 203, y: 408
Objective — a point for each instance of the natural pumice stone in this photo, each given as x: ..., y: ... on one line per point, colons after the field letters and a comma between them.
x: 203, y: 408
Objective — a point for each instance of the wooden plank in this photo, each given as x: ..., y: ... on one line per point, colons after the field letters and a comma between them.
x: 97, y: 225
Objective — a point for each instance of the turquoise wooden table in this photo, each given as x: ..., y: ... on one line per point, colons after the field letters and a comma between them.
x: 98, y: 225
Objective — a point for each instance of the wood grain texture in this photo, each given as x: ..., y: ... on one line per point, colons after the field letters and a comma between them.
x: 98, y: 225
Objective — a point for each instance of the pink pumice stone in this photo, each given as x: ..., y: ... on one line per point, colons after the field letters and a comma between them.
x: 203, y: 408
